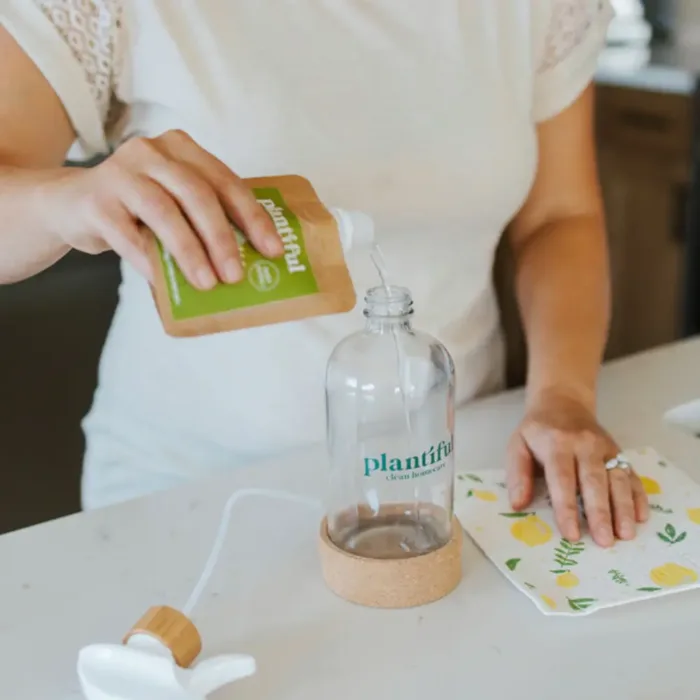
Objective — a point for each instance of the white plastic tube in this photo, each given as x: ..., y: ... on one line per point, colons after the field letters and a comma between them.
x: 220, y: 538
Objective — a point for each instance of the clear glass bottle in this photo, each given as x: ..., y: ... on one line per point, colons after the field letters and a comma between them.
x: 390, y: 423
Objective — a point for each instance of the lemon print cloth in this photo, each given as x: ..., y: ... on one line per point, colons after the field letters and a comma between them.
x: 578, y: 578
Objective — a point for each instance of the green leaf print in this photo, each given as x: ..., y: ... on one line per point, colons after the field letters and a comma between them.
x: 515, y: 515
x: 670, y: 535
x: 529, y: 585
x: 572, y: 546
x: 501, y: 485
x: 578, y: 604
x: 474, y: 477
x: 618, y: 577
x: 649, y: 589
x: 512, y: 563
x: 566, y: 551
x: 660, y: 509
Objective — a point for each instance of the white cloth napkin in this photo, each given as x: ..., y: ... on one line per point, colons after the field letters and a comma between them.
x: 574, y: 578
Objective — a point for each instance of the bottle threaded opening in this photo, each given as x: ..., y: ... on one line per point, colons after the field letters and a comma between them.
x: 388, y: 302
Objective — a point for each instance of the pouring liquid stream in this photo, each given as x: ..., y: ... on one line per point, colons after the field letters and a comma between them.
x: 380, y: 265
x: 412, y: 532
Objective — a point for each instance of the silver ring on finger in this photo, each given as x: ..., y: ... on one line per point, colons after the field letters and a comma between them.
x: 619, y: 461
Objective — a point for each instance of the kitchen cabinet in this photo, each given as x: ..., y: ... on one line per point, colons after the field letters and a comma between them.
x: 645, y: 163
x: 52, y: 328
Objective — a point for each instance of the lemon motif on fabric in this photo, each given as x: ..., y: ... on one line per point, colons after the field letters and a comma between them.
x: 482, y: 495
x: 651, y: 486
x: 529, y: 529
x: 567, y: 580
x: 577, y: 577
x: 671, y: 575
x: 694, y: 515
x: 548, y: 602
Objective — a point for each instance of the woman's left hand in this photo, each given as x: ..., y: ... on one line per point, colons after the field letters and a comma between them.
x: 561, y: 435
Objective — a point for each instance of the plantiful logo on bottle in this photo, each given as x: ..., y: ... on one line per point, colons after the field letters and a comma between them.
x: 412, y: 466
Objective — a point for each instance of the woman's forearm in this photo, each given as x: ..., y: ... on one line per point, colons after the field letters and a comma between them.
x: 28, y: 240
x: 563, y: 290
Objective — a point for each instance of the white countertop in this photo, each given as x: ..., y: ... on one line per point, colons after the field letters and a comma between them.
x: 87, y: 578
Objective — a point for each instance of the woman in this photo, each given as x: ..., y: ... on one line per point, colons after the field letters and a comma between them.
x: 446, y: 121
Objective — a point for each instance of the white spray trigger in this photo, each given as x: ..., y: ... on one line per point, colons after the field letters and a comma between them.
x: 144, y: 669
x: 154, y: 662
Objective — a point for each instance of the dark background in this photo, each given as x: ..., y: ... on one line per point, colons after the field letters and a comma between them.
x: 52, y: 328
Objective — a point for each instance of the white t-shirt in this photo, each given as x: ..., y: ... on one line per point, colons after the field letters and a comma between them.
x: 422, y: 114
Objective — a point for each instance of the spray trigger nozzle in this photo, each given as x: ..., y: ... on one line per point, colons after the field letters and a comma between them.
x: 154, y: 661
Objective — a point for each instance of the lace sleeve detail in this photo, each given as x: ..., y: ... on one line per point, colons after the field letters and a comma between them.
x: 572, y: 35
x: 91, y: 29
x: 571, y: 24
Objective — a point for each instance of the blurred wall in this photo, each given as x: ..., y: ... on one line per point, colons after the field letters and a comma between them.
x: 688, y: 21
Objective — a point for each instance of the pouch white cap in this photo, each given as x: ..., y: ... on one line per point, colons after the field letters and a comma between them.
x: 355, y: 227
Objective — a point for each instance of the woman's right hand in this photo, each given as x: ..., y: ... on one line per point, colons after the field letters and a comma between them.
x: 184, y: 194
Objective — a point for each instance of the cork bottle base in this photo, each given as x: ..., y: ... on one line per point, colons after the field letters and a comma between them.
x: 392, y: 583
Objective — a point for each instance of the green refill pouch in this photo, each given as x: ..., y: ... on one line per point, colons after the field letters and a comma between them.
x: 311, y: 279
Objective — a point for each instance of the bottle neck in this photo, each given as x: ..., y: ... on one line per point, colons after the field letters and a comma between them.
x: 388, y: 309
